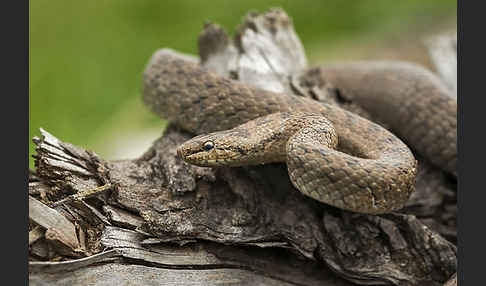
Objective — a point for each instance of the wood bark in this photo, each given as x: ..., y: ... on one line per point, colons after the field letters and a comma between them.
x: 157, y: 220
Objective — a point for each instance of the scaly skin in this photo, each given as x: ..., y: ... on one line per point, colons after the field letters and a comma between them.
x: 410, y: 99
x: 377, y: 176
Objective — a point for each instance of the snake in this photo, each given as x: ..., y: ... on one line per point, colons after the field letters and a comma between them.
x: 332, y: 155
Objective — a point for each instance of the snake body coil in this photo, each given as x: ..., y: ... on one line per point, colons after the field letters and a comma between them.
x: 372, y: 171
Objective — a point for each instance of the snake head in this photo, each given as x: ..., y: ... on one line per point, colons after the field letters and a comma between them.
x: 210, y: 150
x: 259, y: 141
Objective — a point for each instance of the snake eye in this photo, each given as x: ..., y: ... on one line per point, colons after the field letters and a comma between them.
x: 208, y: 145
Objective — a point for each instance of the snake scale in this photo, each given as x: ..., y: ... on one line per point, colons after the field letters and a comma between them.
x: 332, y: 155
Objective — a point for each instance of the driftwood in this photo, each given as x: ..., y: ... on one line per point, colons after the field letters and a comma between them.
x: 159, y: 221
x: 443, y: 52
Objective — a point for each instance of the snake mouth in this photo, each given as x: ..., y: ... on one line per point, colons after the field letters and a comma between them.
x: 211, y: 159
x: 185, y: 154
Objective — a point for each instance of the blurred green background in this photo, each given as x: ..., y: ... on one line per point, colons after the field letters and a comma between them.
x: 87, y: 57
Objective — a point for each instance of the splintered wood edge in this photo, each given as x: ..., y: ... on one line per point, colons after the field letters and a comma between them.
x: 162, y: 260
x: 50, y: 219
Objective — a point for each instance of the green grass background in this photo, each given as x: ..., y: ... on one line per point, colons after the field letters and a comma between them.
x: 87, y: 57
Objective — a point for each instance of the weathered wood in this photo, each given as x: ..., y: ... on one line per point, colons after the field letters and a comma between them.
x: 35, y: 234
x: 133, y: 274
x: 168, y: 222
x: 443, y: 52
x: 246, y: 264
x: 452, y: 281
x: 58, y: 228
x: 122, y: 218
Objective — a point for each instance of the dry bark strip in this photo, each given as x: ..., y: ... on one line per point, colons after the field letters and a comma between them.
x: 164, y: 222
x: 443, y: 52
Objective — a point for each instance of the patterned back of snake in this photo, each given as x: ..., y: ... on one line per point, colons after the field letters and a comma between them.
x: 376, y: 176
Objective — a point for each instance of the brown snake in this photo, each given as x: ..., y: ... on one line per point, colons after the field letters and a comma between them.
x: 371, y: 171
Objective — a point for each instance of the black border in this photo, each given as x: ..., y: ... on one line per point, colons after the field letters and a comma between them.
x: 460, y: 148
x: 14, y: 21
x: 469, y: 204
